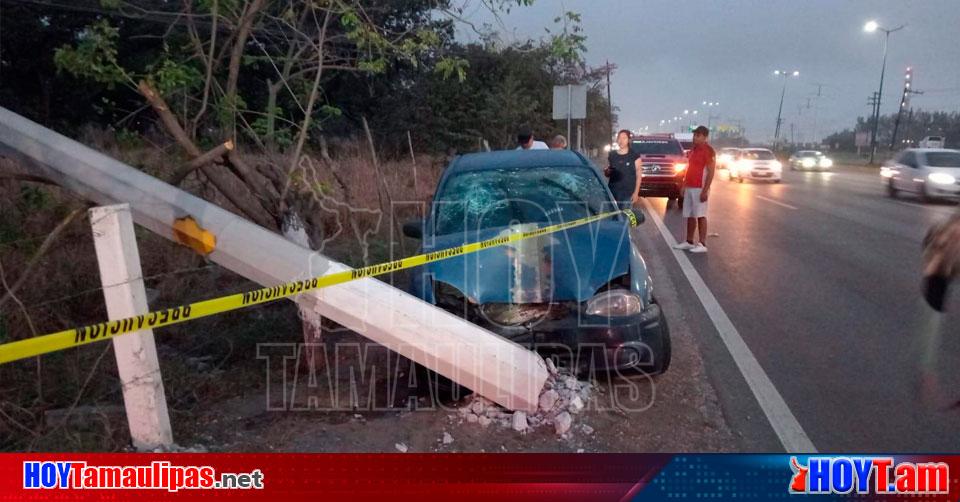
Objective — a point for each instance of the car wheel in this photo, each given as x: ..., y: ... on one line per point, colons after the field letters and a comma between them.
x: 679, y: 202
x: 438, y: 388
x: 670, y: 201
x: 661, y: 361
x: 891, y: 190
x: 777, y: 181
x: 739, y: 179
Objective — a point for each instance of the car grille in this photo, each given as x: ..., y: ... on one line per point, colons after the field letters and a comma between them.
x: 658, y: 168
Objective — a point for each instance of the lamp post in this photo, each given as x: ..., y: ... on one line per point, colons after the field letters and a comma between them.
x: 783, y: 74
x: 871, y: 27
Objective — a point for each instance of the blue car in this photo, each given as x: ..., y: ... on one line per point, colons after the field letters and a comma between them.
x: 582, y: 295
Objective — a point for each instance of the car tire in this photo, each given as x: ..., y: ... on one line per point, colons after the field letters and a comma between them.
x: 670, y: 201
x: 777, y: 181
x: 739, y: 179
x: 892, y: 190
x: 679, y: 202
x: 661, y: 361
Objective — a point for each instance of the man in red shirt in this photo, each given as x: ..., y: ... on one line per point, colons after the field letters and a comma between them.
x: 701, y: 164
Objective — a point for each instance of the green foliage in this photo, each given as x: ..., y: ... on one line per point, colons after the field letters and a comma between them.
x: 94, y: 56
x: 111, y: 4
x: 170, y: 76
x: 448, y: 67
x: 128, y: 139
x: 32, y: 199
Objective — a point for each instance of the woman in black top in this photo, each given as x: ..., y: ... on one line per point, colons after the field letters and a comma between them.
x: 624, y: 170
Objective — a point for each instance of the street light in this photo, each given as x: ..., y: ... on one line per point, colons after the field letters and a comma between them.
x: 871, y: 27
x: 783, y: 92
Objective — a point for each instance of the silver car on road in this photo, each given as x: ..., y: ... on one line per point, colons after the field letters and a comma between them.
x: 931, y: 173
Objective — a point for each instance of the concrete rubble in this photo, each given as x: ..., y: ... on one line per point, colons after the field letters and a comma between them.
x: 562, y: 398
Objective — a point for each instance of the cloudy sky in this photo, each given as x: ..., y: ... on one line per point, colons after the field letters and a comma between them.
x: 675, y: 54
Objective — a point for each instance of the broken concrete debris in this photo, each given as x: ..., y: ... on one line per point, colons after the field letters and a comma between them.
x: 520, y: 421
x: 562, y: 423
x: 402, y: 448
x: 447, y: 438
x: 563, y: 396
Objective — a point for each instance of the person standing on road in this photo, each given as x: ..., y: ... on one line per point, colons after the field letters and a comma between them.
x: 559, y: 142
x: 624, y: 170
x: 701, y: 164
x: 941, y: 261
x: 525, y: 141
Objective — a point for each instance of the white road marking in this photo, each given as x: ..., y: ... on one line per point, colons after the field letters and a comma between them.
x: 784, y: 423
x: 768, y: 199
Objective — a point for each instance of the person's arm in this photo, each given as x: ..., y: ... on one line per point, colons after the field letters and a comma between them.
x: 608, y: 171
x: 708, y: 178
x: 638, y: 165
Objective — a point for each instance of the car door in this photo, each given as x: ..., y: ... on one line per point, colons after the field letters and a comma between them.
x: 903, y: 172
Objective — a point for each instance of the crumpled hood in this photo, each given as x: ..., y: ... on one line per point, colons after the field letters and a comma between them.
x: 570, y: 265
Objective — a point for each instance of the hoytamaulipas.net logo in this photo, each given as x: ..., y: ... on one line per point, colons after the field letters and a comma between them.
x: 158, y: 475
x: 868, y: 475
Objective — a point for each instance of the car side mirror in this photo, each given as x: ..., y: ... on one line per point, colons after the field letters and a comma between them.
x: 413, y: 229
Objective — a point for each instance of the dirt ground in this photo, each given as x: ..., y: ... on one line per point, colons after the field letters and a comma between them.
x: 674, y: 412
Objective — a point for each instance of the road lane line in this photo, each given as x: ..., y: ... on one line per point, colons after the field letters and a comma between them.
x: 768, y: 199
x: 784, y: 423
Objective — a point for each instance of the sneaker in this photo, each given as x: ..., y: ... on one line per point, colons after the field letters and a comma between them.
x: 684, y: 246
x: 699, y: 248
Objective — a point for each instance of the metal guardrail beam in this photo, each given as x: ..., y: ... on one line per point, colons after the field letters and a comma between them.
x: 492, y: 366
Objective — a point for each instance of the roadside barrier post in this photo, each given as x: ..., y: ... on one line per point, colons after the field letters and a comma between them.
x: 125, y: 296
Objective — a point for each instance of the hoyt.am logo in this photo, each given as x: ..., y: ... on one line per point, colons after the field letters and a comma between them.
x: 878, y: 475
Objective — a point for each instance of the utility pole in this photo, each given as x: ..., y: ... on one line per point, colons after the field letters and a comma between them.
x: 904, y: 103
x: 609, y: 101
x: 870, y: 27
x: 874, y: 103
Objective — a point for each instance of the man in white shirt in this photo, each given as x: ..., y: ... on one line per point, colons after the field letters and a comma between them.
x: 526, y: 142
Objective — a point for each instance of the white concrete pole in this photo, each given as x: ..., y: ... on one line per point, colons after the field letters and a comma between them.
x: 124, y: 293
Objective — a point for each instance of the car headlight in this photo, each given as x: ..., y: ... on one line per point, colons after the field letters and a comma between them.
x: 679, y: 168
x: 941, y: 178
x: 825, y: 162
x: 808, y: 162
x: 725, y: 157
x: 777, y: 166
x: 615, y: 303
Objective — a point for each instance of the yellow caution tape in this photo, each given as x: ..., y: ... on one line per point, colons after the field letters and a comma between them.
x: 61, y: 340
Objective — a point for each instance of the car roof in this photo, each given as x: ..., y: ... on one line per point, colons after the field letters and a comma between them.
x: 517, y: 159
x: 933, y: 150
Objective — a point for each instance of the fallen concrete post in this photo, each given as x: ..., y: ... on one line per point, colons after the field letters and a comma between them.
x: 467, y: 354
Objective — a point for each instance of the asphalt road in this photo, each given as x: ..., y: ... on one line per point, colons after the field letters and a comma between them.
x: 820, y: 277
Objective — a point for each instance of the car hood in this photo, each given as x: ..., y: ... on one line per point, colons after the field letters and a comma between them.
x: 570, y: 265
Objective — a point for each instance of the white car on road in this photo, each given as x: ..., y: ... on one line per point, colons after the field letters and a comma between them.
x: 756, y: 164
x: 931, y: 173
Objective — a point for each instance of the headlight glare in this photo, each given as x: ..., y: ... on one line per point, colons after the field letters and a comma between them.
x: 942, y: 178
x: 808, y: 162
x: 825, y: 162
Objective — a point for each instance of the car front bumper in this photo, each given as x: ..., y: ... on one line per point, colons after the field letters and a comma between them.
x: 593, y: 342
x: 661, y: 186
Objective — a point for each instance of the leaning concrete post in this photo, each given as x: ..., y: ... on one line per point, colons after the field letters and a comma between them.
x: 123, y: 291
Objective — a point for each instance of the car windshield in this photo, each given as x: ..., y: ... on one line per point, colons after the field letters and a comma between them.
x: 657, y: 147
x: 943, y: 159
x: 687, y: 145
x: 475, y: 200
x: 758, y: 155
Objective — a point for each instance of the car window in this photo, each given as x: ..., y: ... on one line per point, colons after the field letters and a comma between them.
x: 943, y: 159
x: 758, y: 155
x: 473, y: 200
x: 657, y: 147
x: 909, y: 159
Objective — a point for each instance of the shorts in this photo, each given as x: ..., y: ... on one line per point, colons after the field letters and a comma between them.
x: 692, y: 207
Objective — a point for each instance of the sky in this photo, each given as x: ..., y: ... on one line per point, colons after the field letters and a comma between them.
x: 672, y: 55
